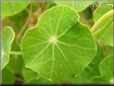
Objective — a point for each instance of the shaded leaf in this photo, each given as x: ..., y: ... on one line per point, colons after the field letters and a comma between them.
x: 91, y: 70
x: 106, y: 70
x: 8, y: 76
x: 13, y: 71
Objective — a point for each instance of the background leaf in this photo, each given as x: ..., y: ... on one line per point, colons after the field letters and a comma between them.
x: 7, y: 39
x: 92, y: 69
x: 61, y: 47
x: 10, y: 7
x: 78, y: 6
x: 8, y: 76
x: 13, y: 72
x: 106, y: 70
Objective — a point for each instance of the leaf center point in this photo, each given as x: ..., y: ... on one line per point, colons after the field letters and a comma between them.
x: 53, y: 39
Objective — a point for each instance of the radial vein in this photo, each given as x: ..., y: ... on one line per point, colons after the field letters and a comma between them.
x: 57, y: 27
x: 53, y: 58
x: 65, y: 59
x: 39, y: 53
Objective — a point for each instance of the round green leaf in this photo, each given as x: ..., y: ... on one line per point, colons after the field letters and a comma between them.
x: 10, y: 7
x: 7, y: 39
x: 59, y: 47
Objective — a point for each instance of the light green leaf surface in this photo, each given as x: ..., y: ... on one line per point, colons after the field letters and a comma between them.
x: 10, y: 7
x: 101, y: 10
x: 91, y: 70
x: 107, y: 2
x: 7, y: 39
x: 59, y: 47
x: 78, y: 6
x: 104, y: 31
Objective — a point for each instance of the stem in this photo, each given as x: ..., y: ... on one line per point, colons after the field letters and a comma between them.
x: 26, y: 23
x: 102, y: 30
x: 15, y: 53
x: 101, y: 20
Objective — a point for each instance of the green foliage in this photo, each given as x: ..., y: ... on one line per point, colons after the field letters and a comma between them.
x: 78, y: 6
x: 51, y: 43
x: 14, y: 68
x: 92, y: 69
x: 106, y: 69
x: 105, y: 30
x: 7, y: 39
x: 57, y: 42
x: 10, y: 7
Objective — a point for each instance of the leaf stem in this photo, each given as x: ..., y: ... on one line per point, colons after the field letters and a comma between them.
x: 15, y: 53
x: 25, y: 25
x: 102, y: 30
x: 101, y: 20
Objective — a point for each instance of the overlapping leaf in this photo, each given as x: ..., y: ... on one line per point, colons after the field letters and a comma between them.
x: 78, y: 6
x: 10, y: 7
x: 59, y: 47
x: 106, y: 69
x: 91, y: 70
x: 7, y: 39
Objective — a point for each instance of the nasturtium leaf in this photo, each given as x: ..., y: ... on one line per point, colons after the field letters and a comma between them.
x: 78, y: 6
x: 92, y: 69
x: 10, y: 7
x: 7, y: 39
x: 59, y: 47
x: 106, y: 70
x: 104, y: 32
